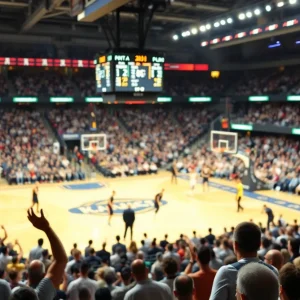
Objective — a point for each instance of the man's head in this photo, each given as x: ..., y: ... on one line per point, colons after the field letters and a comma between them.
x: 129, y: 206
x: 170, y: 266
x: 204, y: 255
x: 140, y: 255
x: 36, y: 272
x: 289, y: 277
x: 76, y: 254
x: 170, y: 247
x: 126, y: 274
x: 84, y: 269
x: 183, y: 287
x: 103, y: 294
x: 162, y: 191
x: 256, y: 281
x: 109, y: 276
x: 45, y: 253
x: 24, y: 293
x: 40, y: 242
x: 118, y: 238
x: 84, y: 294
x: 145, y: 235
x: 14, y: 276
x: 90, y: 242
x: 166, y: 236
x: 293, y: 246
x: 274, y: 258
x: 246, y: 240
x: 265, y: 206
x: 92, y: 252
x: 113, y: 193
x: 209, y: 230
x: 139, y: 270
x: 2, y: 273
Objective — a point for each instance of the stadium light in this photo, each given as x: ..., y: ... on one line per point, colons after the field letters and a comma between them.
x: 229, y: 20
x: 202, y: 28
x: 175, y: 37
x: 280, y: 4
x: 194, y: 31
x: 217, y: 24
x: 208, y: 26
x: 242, y: 16
x: 223, y: 22
x: 268, y: 8
x: 293, y: 2
x: 249, y: 14
x: 257, y: 11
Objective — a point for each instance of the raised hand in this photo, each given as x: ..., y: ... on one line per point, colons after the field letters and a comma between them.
x: 40, y: 223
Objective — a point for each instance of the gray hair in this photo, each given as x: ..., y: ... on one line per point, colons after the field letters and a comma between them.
x: 257, y: 282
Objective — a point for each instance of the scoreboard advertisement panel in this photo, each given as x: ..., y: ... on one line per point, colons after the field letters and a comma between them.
x: 138, y: 72
x: 129, y: 73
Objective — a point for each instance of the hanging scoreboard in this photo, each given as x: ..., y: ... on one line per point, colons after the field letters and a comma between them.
x: 133, y: 72
x: 104, y: 73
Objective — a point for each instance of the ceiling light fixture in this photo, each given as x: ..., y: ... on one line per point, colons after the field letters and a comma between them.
x: 268, y: 8
x: 194, y: 31
x: 202, y: 28
x: 175, y: 37
x: 242, y: 16
x: 280, y: 4
x: 208, y: 26
x: 249, y: 14
x: 229, y: 20
x: 257, y: 11
x: 217, y: 24
x: 223, y: 22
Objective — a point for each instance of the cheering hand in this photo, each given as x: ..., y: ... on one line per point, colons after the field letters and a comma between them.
x: 40, y: 223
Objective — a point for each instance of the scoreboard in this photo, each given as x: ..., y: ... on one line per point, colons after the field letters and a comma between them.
x: 130, y: 73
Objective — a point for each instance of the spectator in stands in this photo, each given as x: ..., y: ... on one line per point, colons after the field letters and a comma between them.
x: 88, y: 248
x: 45, y: 259
x: 257, y: 282
x: 215, y: 263
x: 15, y: 279
x: 210, y: 237
x: 82, y: 281
x: 157, y: 268
x: 126, y: 276
x: 5, y: 290
x: 226, y: 251
x: 171, y: 253
x: 103, y: 254
x: 229, y: 260
x: 76, y: 261
x: 246, y: 237
x: 203, y: 279
x: 184, y: 288
x: 45, y: 286
x: 274, y: 258
x: 118, y: 245
x: 15, y: 265
x: 103, y: 294
x: 170, y: 269
x: 265, y: 245
x: 132, y: 251
x: 289, y: 277
x: 24, y: 293
x: 93, y: 260
x: 146, y: 288
x: 6, y: 259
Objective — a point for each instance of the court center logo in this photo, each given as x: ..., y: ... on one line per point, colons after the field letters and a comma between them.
x: 120, y: 204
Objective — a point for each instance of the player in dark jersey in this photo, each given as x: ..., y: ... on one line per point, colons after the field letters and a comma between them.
x: 270, y: 214
x: 205, y: 173
x: 157, y: 200
x: 110, y: 206
x: 35, y: 200
x: 174, y: 172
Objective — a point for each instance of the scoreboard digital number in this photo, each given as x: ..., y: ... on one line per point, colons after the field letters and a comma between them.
x: 104, y: 73
x: 138, y: 73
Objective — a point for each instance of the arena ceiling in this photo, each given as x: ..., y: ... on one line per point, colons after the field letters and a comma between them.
x: 29, y: 21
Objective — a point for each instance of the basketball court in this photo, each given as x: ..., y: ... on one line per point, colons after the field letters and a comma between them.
x: 77, y: 211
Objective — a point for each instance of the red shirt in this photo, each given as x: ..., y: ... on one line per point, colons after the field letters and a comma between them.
x: 203, y: 281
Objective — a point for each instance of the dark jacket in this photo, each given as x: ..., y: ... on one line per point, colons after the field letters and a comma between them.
x: 128, y: 216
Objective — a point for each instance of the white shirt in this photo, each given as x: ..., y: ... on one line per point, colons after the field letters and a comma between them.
x: 35, y: 253
x: 149, y: 290
x: 224, y: 286
x: 74, y: 286
x: 5, y: 260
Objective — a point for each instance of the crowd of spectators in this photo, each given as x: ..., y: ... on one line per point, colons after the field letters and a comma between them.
x: 155, y: 137
x: 248, y: 260
x: 266, y: 82
x: 52, y: 84
x: 27, y: 151
x: 277, y: 162
x: 3, y: 86
x: 270, y: 114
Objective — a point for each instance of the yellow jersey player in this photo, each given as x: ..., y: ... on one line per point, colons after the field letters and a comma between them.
x: 239, y: 193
